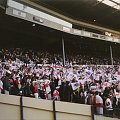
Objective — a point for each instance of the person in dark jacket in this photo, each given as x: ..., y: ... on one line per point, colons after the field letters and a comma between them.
x: 6, y: 83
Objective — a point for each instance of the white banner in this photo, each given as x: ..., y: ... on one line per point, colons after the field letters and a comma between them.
x: 75, y: 85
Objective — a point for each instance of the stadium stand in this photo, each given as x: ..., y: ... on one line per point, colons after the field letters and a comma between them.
x: 34, y: 63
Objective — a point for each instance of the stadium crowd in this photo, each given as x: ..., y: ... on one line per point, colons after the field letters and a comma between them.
x: 41, y: 75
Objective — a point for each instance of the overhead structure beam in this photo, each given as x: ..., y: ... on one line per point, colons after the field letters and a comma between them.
x: 115, y: 2
x: 73, y: 21
x: 3, y: 4
x: 112, y: 3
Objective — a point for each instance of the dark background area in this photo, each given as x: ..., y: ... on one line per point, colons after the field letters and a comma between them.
x: 17, y: 33
x: 85, y: 10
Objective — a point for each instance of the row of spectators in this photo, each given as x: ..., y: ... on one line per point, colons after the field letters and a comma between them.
x: 42, y: 76
x: 42, y: 57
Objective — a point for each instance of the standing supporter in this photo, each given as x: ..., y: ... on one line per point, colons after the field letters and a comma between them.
x: 75, y: 90
x: 106, y: 92
x: 52, y: 87
x: 81, y: 98
x: 27, y: 90
x: 62, y: 91
x: 35, y: 89
x: 56, y: 95
x: 68, y: 92
x: 108, y: 105
x: 6, y: 82
x: 98, y: 103
x: 42, y: 93
x: 15, y: 87
x: 1, y: 86
x: 88, y: 99
x: 47, y: 88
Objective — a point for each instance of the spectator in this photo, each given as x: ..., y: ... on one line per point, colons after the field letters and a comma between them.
x: 56, y: 95
x: 1, y: 86
x: 108, y: 105
x: 6, y: 83
x: 35, y: 89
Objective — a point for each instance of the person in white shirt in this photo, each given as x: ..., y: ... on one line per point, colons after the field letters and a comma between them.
x: 1, y: 86
x: 108, y: 105
x: 98, y: 103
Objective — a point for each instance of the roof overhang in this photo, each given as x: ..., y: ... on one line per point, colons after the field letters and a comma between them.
x: 71, y: 20
x: 112, y: 3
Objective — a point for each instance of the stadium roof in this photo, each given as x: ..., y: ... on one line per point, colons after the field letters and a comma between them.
x: 105, y: 13
x: 112, y: 3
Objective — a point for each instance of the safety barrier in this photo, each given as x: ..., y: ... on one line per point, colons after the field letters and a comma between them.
x: 24, y: 108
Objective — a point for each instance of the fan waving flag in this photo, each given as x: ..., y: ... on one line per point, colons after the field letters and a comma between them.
x: 75, y: 85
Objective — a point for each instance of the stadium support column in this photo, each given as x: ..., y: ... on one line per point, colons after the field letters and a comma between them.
x: 54, y: 110
x: 111, y: 55
x: 63, y: 50
x: 21, y: 106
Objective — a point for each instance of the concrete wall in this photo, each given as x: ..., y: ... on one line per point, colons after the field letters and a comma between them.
x: 97, y: 117
x: 9, y: 107
x: 39, y: 109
